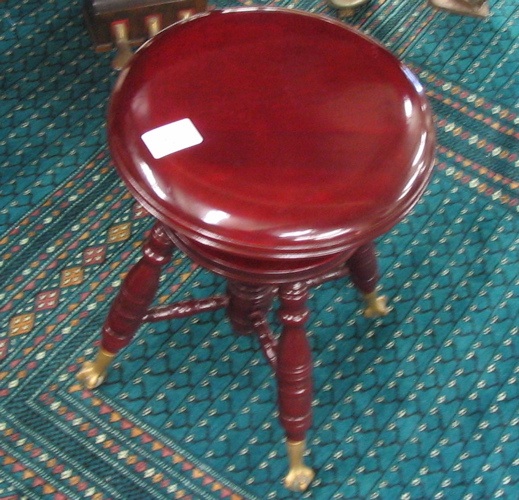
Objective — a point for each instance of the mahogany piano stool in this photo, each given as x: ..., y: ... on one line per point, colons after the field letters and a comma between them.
x: 272, y: 146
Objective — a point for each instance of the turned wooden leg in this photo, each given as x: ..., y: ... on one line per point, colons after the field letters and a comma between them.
x: 364, y: 274
x: 294, y: 377
x: 246, y: 301
x: 130, y: 306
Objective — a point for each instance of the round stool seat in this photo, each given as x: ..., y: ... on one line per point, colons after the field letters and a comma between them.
x: 271, y: 134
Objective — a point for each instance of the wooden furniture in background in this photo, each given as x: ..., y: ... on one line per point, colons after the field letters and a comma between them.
x: 124, y: 24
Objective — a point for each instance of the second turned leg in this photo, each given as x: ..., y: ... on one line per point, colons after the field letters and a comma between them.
x: 294, y: 377
x: 130, y: 306
x: 364, y: 274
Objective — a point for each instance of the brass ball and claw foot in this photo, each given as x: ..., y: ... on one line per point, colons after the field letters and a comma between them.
x: 299, y: 475
x: 376, y: 306
x: 93, y: 373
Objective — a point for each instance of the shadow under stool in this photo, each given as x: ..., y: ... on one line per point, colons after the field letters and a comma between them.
x: 272, y: 146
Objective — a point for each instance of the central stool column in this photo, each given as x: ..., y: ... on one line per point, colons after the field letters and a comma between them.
x: 246, y: 302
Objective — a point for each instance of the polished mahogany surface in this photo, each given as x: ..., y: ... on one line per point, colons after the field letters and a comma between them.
x: 271, y: 133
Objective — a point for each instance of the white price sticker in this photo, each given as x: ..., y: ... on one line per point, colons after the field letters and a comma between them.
x: 171, y: 138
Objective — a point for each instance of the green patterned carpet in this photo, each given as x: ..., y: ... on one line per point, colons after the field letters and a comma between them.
x: 422, y: 404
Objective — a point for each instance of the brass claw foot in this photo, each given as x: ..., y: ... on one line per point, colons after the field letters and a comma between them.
x: 299, y: 478
x: 93, y: 373
x: 375, y: 306
x: 299, y: 475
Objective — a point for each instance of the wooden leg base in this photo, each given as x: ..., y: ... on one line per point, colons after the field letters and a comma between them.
x: 347, y: 8
x: 345, y: 13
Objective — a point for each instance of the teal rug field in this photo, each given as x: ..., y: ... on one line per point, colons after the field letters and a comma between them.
x: 422, y: 404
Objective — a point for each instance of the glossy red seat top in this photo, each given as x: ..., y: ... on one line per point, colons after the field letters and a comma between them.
x: 269, y: 132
